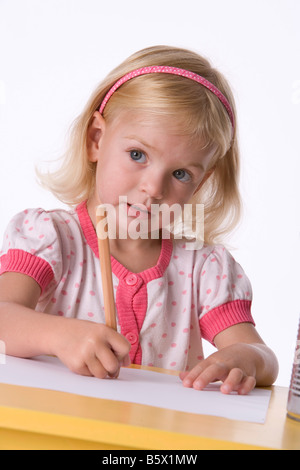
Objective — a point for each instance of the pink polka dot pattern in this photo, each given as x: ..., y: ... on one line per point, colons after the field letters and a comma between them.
x: 170, y: 308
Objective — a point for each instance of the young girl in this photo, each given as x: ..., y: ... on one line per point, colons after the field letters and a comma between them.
x: 160, y: 129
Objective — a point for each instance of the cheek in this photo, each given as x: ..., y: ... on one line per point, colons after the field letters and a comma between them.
x: 111, y: 183
x: 181, y: 194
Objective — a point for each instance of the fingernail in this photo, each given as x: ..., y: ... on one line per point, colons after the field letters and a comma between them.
x: 198, y: 385
x: 187, y: 383
x: 115, y: 375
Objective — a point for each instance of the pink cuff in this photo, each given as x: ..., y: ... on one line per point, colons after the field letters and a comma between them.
x: 20, y: 261
x: 224, y: 316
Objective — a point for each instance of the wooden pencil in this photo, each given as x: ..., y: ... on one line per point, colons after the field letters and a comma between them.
x: 105, y: 265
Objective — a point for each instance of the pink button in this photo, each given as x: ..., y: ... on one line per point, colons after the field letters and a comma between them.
x: 131, y: 279
x: 132, y: 337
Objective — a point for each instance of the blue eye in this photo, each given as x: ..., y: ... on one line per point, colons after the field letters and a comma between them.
x: 181, y: 175
x: 137, y: 156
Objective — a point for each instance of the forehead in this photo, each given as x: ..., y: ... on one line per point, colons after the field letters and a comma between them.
x: 163, y: 136
x: 161, y: 128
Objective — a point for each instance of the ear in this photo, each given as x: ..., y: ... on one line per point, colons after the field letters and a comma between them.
x: 205, y: 178
x: 94, y: 134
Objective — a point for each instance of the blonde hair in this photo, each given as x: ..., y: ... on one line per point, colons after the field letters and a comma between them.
x: 198, y: 111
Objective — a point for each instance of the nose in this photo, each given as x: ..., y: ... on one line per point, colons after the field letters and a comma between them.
x: 154, y: 185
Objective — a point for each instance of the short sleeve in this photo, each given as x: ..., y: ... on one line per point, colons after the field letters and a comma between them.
x: 31, y: 246
x: 225, y: 294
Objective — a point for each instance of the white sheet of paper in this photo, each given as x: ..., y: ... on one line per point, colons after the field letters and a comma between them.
x: 136, y: 386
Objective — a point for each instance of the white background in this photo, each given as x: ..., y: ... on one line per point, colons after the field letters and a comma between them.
x: 54, y: 52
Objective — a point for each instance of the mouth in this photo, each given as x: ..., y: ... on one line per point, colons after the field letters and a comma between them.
x: 138, y: 211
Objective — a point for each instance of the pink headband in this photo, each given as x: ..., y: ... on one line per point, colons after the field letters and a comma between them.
x: 173, y: 71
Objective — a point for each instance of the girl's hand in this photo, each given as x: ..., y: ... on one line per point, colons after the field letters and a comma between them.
x: 91, y: 349
x: 241, y: 362
x: 85, y: 347
x: 233, y: 365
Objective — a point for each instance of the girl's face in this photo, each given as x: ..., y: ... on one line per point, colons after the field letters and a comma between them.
x: 144, y: 160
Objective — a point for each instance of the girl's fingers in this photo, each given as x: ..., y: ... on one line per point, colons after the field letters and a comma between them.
x: 210, y: 374
x: 109, y: 362
x: 247, y: 385
x: 104, y: 358
x: 233, y: 380
x: 201, y: 375
x: 96, y: 367
x: 119, y: 345
x: 239, y: 382
x: 188, y: 378
x: 183, y: 374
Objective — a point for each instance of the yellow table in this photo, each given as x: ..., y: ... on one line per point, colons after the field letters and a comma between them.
x: 42, y: 419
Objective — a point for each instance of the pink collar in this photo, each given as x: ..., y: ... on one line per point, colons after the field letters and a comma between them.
x: 117, y: 268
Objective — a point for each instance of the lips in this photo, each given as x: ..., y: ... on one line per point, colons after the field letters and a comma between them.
x: 138, y: 211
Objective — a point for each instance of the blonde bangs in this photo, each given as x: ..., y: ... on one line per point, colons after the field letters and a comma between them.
x: 193, y: 109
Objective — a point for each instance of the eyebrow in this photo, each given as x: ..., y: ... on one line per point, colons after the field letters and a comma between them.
x: 138, y: 139
x: 198, y: 165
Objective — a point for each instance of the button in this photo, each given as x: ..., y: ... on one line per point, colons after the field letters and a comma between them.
x: 131, y: 279
x: 132, y: 337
